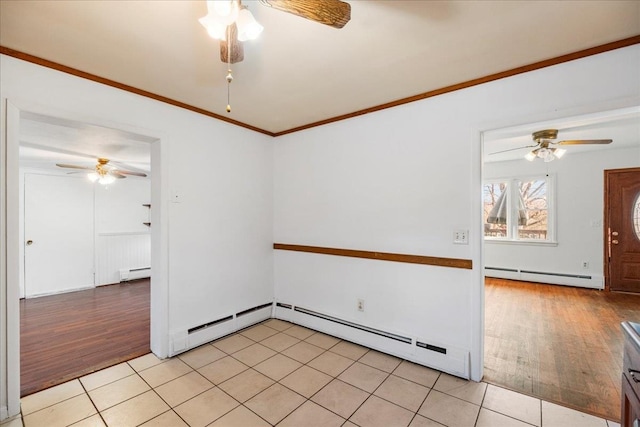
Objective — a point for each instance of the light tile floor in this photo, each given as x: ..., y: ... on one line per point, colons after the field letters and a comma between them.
x: 277, y: 373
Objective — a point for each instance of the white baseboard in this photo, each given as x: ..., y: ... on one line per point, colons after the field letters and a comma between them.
x: 579, y: 280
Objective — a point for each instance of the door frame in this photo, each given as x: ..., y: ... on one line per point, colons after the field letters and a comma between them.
x: 11, y: 242
x: 606, y: 222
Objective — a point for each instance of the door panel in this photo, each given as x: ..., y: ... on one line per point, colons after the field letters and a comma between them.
x: 58, y: 227
x: 623, y: 241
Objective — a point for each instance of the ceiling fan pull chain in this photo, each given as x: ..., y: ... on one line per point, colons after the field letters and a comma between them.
x: 229, y: 76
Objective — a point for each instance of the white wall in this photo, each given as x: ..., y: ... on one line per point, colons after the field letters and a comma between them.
x: 211, y: 251
x: 579, y: 180
x: 122, y: 240
x: 402, y: 180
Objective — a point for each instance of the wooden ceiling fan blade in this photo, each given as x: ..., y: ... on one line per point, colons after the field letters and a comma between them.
x: 334, y: 13
x: 123, y: 172
x: 65, y: 165
x: 584, y: 141
x: 513, y: 149
x: 237, y: 49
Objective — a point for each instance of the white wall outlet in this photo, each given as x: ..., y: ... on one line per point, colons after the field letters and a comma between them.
x: 585, y: 265
x: 360, y: 304
x: 461, y: 237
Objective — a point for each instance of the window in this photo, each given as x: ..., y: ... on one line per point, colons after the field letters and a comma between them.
x: 518, y: 209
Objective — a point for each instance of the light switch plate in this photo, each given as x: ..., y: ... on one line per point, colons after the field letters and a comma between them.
x: 461, y: 237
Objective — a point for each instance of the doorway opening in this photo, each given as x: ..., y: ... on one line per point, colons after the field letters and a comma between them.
x: 104, y: 137
x: 533, y: 326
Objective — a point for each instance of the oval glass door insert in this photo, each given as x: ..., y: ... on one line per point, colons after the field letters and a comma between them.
x: 636, y: 216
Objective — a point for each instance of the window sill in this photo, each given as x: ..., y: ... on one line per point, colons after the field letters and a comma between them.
x: 521, y: 242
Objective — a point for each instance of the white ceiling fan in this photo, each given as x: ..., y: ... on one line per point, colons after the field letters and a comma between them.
x: 103, y: 172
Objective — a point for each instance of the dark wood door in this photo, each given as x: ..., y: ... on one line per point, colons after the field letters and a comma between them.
x: 622, y: 228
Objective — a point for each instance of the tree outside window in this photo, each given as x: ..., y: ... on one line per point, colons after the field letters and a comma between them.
x: 517, y: 209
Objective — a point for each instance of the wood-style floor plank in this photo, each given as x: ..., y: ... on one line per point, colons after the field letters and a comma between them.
x: 69, y: 335
x: 558, y: 343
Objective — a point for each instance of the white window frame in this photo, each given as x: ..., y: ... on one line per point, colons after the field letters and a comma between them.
x: 513, y: 188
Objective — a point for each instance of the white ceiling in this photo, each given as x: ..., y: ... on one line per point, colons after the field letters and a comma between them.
x: 299, y: 71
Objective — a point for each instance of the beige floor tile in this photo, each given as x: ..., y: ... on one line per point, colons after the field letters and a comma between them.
x: 14, y: 422
x: 240, y: 417
x: 165, y: 372
x: 363, y: 376
x: 118, y: 391
x: 457, y: 387
x: 489, y: 418
x: 253, y: 354
x: 402, y: 392
x: 322, y: 340
x: 449, y: 410
x: 381, y: 361
x: 331, y: 363
x: 233, y: 343
x: 340, y: 397
x: 613, y: 424
x: 206, y: 407
x: 144, y: 362
x: 303, y: 352
x: 376, y: 412
x: 135, y: 411
x: 299, y: 332
x: 92, y: 421
x: 349, y: 424
x: 275, y: 403
x: 203, y: 355
x: 279, y: 341
x: 51, y: 396
x: 106, y: 376
x: 306, y: 381
x: 222, y: 369
x: 512, y: 404
x: 558, y: 416
x: 62, y: 414
x: 277, y: 367
x: 420, y: 421
x: 311, y: 415
x: 245, y: 385
x: 277, y: 324
x: 349, y: 350
x: 417, y: 373
x: 183, y: 388
x: 258, y: 332
x: 167, y: 419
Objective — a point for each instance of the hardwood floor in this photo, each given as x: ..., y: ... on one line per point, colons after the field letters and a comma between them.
x: 558, y: 343
x: 69, y: 335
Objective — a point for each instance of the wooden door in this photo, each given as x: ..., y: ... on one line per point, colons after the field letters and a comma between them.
x: 622, y: 229
x: 58, y: 234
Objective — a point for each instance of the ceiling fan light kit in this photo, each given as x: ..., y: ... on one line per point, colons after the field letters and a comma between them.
x: 232, y: 23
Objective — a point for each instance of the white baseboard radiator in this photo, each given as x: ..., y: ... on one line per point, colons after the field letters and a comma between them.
x: 197, y: 335
x: 127, y: 274
x: 553, y: 278
x: 421, y: 350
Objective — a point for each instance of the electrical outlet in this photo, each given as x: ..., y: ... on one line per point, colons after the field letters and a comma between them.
x: 585, y: 265
x: 461, y: 237
x: 360, y: 305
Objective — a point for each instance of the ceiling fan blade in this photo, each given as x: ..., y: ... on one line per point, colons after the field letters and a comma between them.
x: 512, y: 149
x: 65, y: 165
x: 584, y: 141
x: 122, y: 172
x: 237, y: 49
x: 117, y: 174
x: 334, y: 13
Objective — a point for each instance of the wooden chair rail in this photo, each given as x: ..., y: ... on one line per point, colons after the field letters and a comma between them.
x: 380, y: 256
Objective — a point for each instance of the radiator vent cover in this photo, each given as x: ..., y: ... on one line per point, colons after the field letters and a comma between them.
x: 252, y: 309
x: 209, y: 324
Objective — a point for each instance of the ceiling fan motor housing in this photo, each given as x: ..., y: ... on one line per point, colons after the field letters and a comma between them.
x: 545, y: 134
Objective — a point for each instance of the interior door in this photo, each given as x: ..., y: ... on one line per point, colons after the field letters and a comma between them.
x: 58, y: 227
x: 622, y: 228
